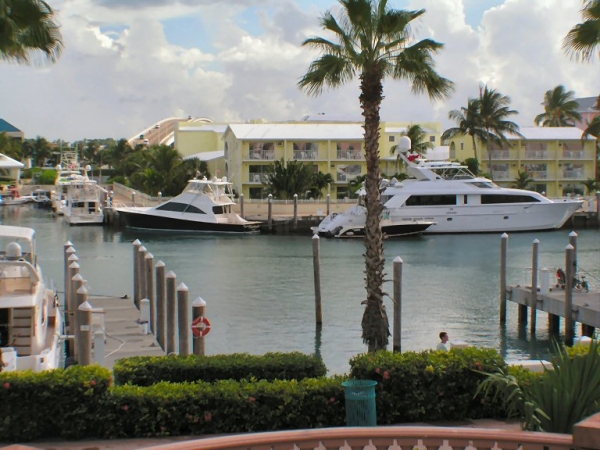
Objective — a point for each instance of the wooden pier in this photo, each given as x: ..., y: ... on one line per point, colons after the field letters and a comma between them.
x: 557, y: 300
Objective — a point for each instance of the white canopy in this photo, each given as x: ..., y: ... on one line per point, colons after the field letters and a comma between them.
x: 207, y: 156
x: 10, y: 166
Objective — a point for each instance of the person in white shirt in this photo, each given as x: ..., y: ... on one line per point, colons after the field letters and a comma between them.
x: 444, y: 345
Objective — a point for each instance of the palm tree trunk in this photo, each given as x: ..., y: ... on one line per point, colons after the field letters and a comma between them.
x: 375, y: 324
x: 489, y: 156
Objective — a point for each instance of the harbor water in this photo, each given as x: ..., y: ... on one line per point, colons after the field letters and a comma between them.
x: 259, y: 289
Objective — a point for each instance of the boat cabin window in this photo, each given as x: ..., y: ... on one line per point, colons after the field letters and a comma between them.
x: 481, y: 184
x: 493, y: 199
x: 180, y: 207
x: 222, y: 209
x: 431, y: 200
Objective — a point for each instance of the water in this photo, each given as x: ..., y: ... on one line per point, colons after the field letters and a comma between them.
x: 260, y: 293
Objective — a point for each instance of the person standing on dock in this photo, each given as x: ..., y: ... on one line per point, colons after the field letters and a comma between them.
x: 444, y: 345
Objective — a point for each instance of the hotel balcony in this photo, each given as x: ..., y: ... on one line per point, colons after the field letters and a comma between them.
x: 348, y: 155
x: 573, y: 174
x: 536, y: 154
x: 305, y: 154
x: 262, y: 155
x: 257, y: 178
x: 502, y: 175
x: 573, y: 154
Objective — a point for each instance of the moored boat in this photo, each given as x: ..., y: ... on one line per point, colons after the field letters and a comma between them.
x: 31, y: 321
x: 83, y: 205
x: 456, y: 201
x: 203, y: 206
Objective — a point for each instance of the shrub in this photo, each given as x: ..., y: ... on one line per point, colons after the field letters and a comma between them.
x: 47, y: 177
x: 147, y: 370
x: 55, y: 403
x: 430, y: 385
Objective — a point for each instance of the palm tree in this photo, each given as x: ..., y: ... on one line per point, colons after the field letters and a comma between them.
x: 320, y: 181
x: 466, y: 119
x: 523, y: 180
x: 593, y: 129
x: 26, y: 27
x: 373, y: 42
x: 583, y: 39
x: 285, y: 180
x: 560, y: 109
x: 493, y: 112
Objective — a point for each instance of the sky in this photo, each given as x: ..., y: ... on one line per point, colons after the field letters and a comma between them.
x: 127, y: 64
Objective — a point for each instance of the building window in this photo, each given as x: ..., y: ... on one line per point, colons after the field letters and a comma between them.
x: 462, y: 145
x: 431, y: 138
x: 392, y: 138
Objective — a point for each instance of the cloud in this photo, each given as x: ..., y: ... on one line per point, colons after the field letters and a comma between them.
x: 122, y: 71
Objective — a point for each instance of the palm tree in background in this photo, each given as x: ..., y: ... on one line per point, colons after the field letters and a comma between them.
x: 523, y: 180
x: 373, y: 42
x: 419, y: 141
x: 28, y: 27
x: 560, y: 109
x: 493, y: 112
x: 584, y: 38
x: 467, y: 121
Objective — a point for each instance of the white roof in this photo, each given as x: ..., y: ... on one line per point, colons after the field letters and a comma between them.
x: 297, y: 131
x: 206, y: 156
x: 549, y: 133
x: 9, y: 163
x: 203, y: 127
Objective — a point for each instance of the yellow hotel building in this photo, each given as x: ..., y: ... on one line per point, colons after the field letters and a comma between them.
x: 249, y: 149
x: 556, y: 158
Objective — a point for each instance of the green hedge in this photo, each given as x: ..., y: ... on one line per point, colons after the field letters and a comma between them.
x: 429, y: 386
x: 228, y: 406
x: 57, y: 403
x: 148, y: 370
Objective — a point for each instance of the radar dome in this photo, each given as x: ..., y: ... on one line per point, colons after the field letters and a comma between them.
x: 13, y: 251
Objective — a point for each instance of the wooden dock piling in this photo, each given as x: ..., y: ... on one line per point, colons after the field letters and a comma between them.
x: 397, y: 304
x: 317, y: 275
x: 503, y: 284
x: 171, y: 311
x: 183, y: 319
x: 534, y: 286
x: 161, y: 305
x: 199, y: 310
x: 136, y: 272
x: 149, y: 265
x: 569, y: 325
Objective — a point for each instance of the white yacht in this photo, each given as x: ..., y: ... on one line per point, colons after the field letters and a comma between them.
x: 84, y: 204
x: 456, y: 201
x: 68, y: 170
x: 31, y: 321
x: 204, y: 206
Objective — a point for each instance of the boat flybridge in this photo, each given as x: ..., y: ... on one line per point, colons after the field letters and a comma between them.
x: 205, y: 205
x: 31, y: 321
x: 454, y: 200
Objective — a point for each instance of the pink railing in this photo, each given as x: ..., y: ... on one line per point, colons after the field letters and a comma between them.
x: 382, y: 438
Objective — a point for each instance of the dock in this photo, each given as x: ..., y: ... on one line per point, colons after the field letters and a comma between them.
x: 124, y: 335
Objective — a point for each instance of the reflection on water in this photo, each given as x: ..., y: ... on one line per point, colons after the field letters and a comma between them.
x: 260, y: 293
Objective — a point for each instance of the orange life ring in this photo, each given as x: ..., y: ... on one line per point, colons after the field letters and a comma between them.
x: 200, y: 326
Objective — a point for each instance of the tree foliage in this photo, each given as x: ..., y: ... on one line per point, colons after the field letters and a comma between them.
x: 560, y: 109
x: 584, y: 38
x: 295, y: 177
x: 523, y: 180
x: 372, y: 42
x: 28, y: 27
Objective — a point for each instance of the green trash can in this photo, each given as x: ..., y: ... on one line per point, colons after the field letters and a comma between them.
x: 360, y: 403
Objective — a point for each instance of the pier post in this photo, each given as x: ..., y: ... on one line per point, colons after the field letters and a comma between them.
x: 72, y: 305
x: 270, y: 212
x: 84, y: 336
x: 199, y: 310
x: 136, y: 274
x: 503, y: 247
x: 161, y: 305
x: 598, y: 207
x: 144, y: 319
x: 397, y: 304
x: 569, y: 324
x: 150, y: 289
x: 317, y: 274
x: 553, y: 323
x: 171, y: 311
x: 573, y: 242
x: 295, y: 211
x: 142, y: 273
x: 183, y: 319
x: 68, y: 294
x: 328, y: 203
x: 133, y: 198
x: 534, y: 285
x: 68, y: 251
x: 241, y: 202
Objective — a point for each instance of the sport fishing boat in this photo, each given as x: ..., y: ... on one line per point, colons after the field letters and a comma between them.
x: 204, y: 206
x: 454, y: 200
x: 31, y: 321
x: 83, y: 205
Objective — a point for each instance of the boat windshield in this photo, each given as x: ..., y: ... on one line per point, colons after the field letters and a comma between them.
x: 484, y: 184
x: 453, y: 173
